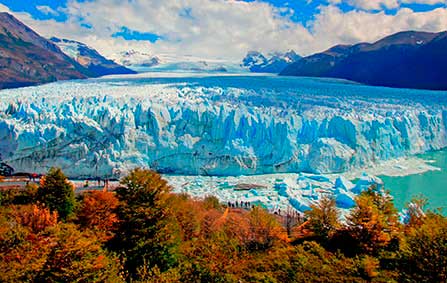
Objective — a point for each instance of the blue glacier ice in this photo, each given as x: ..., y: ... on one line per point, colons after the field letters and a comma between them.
x: 343, y: 200
x: 365, y: 182
x: 343, y: 184
x: 301, y: 207
x: 220, y: 125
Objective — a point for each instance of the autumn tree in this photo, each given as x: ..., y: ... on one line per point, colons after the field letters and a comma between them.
x: 423, y: 256
x: 188, y: 214
x: 323, y: 218
x: 22, y: 253
x: 97, y: 212
x: 373, y: 222
x: 264, y: 230
x: 57, y: 193
x: 77, y: 256
x: 34, y: 248
x: 146, y: 228
x: 212, y: 202
x: 34, y: 217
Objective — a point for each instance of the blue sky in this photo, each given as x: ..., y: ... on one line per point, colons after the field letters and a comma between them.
x: 225, y: 28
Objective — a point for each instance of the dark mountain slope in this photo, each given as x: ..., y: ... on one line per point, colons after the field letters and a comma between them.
x: 28, y: 59
x: 407, y: 59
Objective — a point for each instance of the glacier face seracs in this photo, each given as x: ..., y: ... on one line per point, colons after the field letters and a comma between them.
x: 216, y: 125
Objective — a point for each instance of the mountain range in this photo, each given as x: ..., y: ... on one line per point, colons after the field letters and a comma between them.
x: 407, y: 60
x: 27, y: 59
x: 89, y: 58
x: 273, y: 63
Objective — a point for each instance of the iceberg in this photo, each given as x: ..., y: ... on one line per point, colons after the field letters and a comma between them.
x: 297, y: 205
x: 365, y: 182
x: 342, y: 183
x: 215, y: 125
x: 275, y: 191
x: 343, y: 200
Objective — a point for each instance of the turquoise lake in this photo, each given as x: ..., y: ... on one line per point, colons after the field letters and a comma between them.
x: 432, y: 184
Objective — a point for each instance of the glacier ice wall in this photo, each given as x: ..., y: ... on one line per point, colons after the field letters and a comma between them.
x: 215, y: 126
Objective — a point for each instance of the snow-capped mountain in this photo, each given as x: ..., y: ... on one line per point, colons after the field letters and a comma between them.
x: 146, y: 62
x: 134, y: 58
x: 199, y: 66
x: 273, y: 63
x: 88, y: 57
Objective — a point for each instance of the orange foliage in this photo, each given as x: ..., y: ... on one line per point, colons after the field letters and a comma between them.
x: 373, y: 221
x: 211, y: 220
x: 97, y: 212
x: 188, y: 214
x: 265, y: 229
x: 42, y: 181
x: 34, y: 217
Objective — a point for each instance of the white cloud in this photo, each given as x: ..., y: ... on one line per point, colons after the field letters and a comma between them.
x: 332, y: 26
x: 374, y: 4
x: 47, y: 10
x: 226, y: 29
x: 210, y: 28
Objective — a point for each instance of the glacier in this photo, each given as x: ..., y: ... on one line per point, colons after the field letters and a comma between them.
x: 217, y: 125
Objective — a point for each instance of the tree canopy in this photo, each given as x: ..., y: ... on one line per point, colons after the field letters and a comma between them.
x: 142, y: 232
x: 57, y: 193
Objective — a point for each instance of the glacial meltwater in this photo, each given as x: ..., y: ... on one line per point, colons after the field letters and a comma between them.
x: 431, y: 184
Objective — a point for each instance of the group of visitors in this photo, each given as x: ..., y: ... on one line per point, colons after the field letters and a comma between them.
x: 240, y: 204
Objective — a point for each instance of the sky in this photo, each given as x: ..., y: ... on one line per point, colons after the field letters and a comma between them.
x: 225, y: 29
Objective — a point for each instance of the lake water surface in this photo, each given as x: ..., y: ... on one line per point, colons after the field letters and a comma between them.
x: 431, y: 184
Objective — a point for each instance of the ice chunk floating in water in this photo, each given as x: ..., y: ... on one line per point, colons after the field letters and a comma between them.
x: 215, y: 125
x: 276, y: 192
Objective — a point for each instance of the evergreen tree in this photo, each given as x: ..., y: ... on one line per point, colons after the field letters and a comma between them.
x: 145, y: 235
x: 57, y: 193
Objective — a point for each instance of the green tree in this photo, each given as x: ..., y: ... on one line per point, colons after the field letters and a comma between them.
x: 57, y: 193
x: 19, y: 196
x: 324, y: 218
x: 146, y: 235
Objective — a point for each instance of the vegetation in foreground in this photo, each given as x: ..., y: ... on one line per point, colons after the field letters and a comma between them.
x: 144, y: 233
